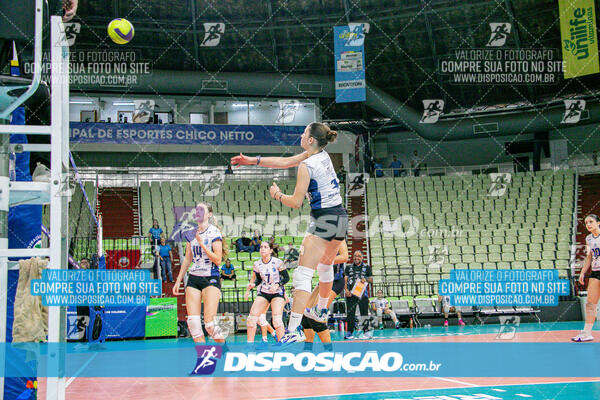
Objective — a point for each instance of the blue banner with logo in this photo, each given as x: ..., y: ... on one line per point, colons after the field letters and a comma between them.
x: 216, y: 135
x: 348, y: 44
x: 180, y: 358
x: 118, y: 322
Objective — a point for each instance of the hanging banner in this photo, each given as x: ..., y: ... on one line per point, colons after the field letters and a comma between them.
x: 220, y: 135
x: 578, y: 36
x: 348, y: 43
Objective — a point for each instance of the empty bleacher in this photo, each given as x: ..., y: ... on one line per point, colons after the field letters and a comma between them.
x: 468, y: 226
x: 233, y: 199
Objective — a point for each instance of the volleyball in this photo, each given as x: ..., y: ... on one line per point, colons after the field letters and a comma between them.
x: 120, y: 31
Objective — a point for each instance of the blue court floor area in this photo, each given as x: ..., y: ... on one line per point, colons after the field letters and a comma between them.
x: 548, y: 391
x: 440, y: 331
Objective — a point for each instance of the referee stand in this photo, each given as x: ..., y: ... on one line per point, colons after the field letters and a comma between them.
x: 56, y: 191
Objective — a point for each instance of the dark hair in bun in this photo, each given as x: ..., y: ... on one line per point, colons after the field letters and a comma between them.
x: 594, y: 216
x: 322, y: 133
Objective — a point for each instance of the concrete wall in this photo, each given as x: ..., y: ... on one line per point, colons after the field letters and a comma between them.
x: 581, y: 140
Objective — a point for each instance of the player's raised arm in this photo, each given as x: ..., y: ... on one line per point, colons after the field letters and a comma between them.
x: 295, y: 200
x: 270, y: 162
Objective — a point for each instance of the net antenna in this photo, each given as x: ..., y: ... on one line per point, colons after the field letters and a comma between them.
x: 99, y: 236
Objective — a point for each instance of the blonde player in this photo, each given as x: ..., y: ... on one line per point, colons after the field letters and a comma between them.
x: 329, y: 220
x: 593, y: 290
x: 381, y: 306
x: 268, y: 276
x: 204, y: 252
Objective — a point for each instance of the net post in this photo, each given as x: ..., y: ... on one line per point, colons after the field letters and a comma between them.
x: 59, y: 162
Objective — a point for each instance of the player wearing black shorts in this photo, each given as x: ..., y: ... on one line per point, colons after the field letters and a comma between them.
x: 204, y: 252
x: 269, y: 275
x: 592, y: 261
x: 316, y: 178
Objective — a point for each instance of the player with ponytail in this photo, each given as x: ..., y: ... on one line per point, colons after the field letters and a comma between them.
x: 329, y: 220
x: 204, y: 252
x: 592, y: 261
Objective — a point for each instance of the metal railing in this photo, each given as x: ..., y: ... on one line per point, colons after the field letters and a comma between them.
x: 80, y: 247
x: 132, y: 177
x: 399, y: 289
x: 436, y: 171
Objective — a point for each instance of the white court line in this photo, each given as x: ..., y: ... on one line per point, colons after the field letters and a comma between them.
x: 523, y: 395
x: 455, y: 381
x: 71, y: 379
x: 499, y: 390
x: 423, y: 389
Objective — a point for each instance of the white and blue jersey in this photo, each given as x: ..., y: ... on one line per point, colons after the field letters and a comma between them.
x: 201, y: 264
x: 324, y: 186
x: 381, y: 303
x: 269, y: 275
x: 593, y: 244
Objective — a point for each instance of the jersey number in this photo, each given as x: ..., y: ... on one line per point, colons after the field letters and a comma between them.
x: 596, y: 252
x: 196, y: 251
x: 335, y: 183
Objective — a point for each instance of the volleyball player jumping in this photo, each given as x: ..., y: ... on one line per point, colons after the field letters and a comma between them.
x: 269, y: 275
x: 204, y: 252
x: 329, y: 220
x: 593, y: 290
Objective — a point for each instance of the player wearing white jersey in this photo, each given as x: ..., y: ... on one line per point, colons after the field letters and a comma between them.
x: 269, y: 275
x: 382, y: 306
x: 329, y: 220
x: 204, y: 252
x: 448, y: 308
x: 592, y: 261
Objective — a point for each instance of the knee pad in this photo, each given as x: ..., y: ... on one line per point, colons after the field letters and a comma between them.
x: 277, y: 321
x: 303, y: 278
x: 325, y: 272
x: 251, y: 321
x: 590, y: 308
x: 210, y: 327
x: 214, y: 331
x: 195, y: 326
x: 379, y: 312
x: 262, y: 320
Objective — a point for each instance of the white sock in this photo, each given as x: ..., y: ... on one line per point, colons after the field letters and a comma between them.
x: 322, y: 303
x: 265, y: 338
x: 295, y: 319
x: 588, y: 329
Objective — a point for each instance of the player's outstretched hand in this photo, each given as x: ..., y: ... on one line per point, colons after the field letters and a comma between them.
x: 242, y: 160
